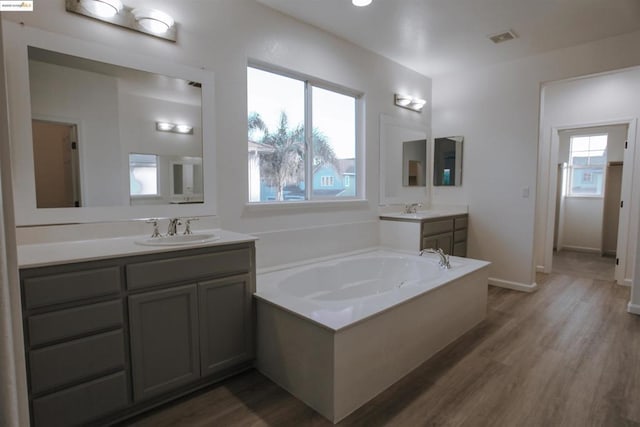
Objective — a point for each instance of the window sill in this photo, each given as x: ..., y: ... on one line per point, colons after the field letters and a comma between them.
x: 306, y: 205
x: 574, y: 196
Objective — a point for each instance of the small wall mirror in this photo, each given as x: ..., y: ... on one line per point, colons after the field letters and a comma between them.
x: 414, y: 163
x: 447, y: 161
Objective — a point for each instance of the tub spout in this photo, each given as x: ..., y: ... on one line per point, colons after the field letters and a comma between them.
x: 444, y: 258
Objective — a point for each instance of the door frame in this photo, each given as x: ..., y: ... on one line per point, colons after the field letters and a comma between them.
x: 624, y: 219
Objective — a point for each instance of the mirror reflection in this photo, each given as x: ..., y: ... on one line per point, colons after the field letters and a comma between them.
x: 414, y: 161
x: 99, y: 136
x: 447, y: 161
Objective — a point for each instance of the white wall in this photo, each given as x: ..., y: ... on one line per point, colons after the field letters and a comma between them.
x: 91, y: 101
x: 497, y: 110
x: 223, y: 42
x: 14, y: 410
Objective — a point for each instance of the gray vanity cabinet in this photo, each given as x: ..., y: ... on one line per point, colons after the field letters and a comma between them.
x: 225, y: 323
x: 447, y: 232
x: 164, y: 340
x: 108, y: 339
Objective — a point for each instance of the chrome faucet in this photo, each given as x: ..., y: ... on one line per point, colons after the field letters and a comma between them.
x: 173, y: 226
x: 154, y: 222
x: 444, y: 258
x: 412, y: 208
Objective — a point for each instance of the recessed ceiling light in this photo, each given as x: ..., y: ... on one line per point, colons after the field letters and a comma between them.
x: 361, y: 3
x: 102, y: 8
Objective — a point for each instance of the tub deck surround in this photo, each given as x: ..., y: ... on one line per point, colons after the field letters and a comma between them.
x: 341, y: 292
x: 337, y: 354
x: 54, y: 253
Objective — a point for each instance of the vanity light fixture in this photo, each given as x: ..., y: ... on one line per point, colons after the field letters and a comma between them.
x: 409, y: 102
x: 144, y: 20
x: 174, y: 128
x: 361, y: 3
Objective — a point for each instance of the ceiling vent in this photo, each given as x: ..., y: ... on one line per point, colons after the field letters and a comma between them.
x: 503, y: 37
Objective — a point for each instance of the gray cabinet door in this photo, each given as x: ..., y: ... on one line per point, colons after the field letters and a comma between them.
x: 440, y: 241
x: 164, y: 340
x: 226, y: 324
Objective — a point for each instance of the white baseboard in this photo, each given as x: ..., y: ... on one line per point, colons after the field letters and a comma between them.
x: 513, y: 285
x: 539, y: 268
x: 582, y: 249
x: 633, y: 308
x: 627, y: 282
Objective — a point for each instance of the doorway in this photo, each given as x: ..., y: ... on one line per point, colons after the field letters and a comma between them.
x: 56, y: 164
x: 588, y: 196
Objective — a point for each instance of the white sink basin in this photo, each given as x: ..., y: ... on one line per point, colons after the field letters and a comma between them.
x: 178, y: 239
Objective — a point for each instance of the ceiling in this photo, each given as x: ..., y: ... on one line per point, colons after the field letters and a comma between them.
x: 440, y: 36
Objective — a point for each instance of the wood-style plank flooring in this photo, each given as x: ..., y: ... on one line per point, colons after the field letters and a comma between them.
x: 566, y: 355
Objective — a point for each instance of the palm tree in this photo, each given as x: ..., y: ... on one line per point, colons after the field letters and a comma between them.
x: 284, y: 162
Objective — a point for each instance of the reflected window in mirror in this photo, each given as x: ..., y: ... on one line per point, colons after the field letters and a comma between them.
x: 143, y: 175
x: 447, y: 161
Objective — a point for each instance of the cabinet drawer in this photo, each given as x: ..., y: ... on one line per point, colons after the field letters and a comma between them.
x: 57, y: 325
x: 83, y: 403
x: 461, y: 222
x: 460, y: 235
x: 437, y: 227
x: 76, y: 360
x: 153, y: 273
x: 68, y: 287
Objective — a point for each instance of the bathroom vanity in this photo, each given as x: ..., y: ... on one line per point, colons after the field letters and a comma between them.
x: 438, y: 229
x: 125, y: 327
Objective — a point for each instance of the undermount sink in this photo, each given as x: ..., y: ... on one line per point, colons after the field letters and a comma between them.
x: 178, y: 239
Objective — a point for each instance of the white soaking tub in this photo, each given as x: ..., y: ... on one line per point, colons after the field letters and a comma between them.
x: 337, y: 333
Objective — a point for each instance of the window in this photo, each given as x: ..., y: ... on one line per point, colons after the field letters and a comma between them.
x: 143, y: 175
x: 302, y: 139
x: 587, y: 158
x: 326, y: 181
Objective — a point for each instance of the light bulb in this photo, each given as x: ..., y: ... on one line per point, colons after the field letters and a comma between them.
x: 102, y: 8
x: 361, y: 3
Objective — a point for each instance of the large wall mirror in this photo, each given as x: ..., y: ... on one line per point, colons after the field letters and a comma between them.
x: 403, y: 161
x: 106, y: 135
x: 447, y: 161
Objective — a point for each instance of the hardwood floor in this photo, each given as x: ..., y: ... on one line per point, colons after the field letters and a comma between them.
x: 566, y: 355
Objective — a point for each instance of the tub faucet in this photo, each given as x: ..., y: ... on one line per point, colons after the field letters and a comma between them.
x: 444, y: 258
x: 412, y: 208
x: 173, y: 226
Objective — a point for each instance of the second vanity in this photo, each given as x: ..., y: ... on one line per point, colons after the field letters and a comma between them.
x: 113, y: 328
x: 444, y: 229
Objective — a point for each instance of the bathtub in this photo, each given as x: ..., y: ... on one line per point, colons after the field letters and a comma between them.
x: 338, y: 332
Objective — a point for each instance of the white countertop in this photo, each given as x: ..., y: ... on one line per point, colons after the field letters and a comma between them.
x: 426, y: 214
x: 45, y: 254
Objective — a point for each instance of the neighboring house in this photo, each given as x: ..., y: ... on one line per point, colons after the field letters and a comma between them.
x: 328, y: 179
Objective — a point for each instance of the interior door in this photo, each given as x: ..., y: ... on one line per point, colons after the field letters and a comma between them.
x: 611, y: 214
x: 625, y: 245
x: 55, y: 157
